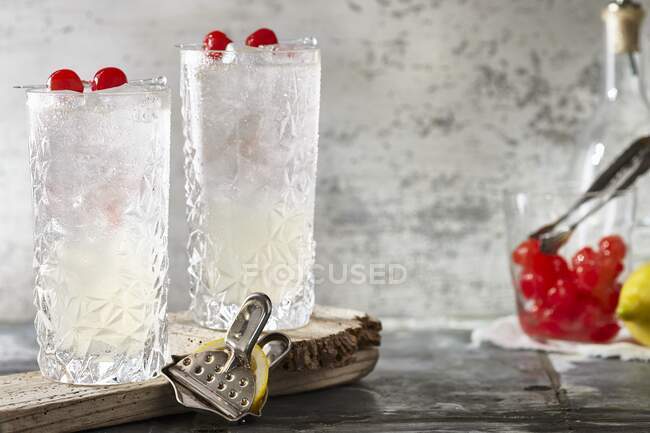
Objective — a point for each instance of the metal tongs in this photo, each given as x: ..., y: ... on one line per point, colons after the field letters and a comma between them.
x: 222, y: 381
x: 620, y: 175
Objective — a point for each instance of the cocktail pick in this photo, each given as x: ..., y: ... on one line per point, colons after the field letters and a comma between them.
x: 222, y: 380
x: 155, y: 81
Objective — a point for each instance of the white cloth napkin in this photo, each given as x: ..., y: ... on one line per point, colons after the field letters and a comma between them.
x: 506, y: 333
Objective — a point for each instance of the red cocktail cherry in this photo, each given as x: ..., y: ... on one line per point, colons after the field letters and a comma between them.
x: 605, y: 333
x: 524, y: 253
x: 65, y: 79
x: 532, y: 285
x: 107, y: 78
x: 261, y: 37
x: 572, y: 301
x: 216, y: 41
x: 586, y: 277
x: 586, y: 256
x: 612, y: 246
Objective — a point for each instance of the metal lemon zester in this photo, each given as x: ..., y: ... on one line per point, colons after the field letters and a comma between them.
x: 222, y: 381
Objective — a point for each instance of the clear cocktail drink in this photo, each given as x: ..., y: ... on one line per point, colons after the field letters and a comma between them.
x: 100, y: 174
x: 251, y: 128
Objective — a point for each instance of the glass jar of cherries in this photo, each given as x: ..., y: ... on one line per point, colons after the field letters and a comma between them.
x: 571, y: 294
x: 570, y: 299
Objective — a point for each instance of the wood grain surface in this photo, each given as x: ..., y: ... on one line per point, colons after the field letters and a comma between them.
x: 338, y: 346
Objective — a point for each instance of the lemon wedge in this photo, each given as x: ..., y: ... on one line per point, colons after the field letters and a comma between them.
x: 259, y: 364
x: 634, y: 304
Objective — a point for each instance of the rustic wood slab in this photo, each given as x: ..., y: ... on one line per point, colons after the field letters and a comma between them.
x: 338, y: 346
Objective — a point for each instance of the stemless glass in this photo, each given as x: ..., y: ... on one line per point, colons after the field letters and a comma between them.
x: 571, y: 295
x: 100, y: 178
x: 251, y: 129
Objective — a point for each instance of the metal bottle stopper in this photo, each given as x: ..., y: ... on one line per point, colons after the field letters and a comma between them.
x: 223, y: 381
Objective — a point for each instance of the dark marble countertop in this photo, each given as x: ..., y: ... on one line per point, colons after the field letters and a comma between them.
x: 431, y: 381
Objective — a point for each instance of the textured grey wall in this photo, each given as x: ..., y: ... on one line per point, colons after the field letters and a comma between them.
x: 429, y: 109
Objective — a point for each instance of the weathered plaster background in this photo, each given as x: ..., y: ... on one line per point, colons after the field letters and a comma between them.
x: 429, y: 109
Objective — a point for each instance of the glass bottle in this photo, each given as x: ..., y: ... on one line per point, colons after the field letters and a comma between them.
x: 623, y: 114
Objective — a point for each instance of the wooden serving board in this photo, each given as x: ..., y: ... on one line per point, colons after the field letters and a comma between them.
x: 338, y: 346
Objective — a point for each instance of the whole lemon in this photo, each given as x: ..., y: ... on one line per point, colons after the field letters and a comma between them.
x: 634, y: 304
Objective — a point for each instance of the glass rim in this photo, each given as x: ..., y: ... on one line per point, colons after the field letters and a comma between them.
x: 254, y: 51
x: 157, y: 85
x: 58, y: 93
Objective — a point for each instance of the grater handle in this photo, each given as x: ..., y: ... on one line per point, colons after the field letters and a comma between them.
x: 249, y: 324
x: 276, y: 347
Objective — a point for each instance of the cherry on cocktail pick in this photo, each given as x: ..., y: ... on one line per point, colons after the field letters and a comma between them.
x: 216, y: 40
x: 261, y: 37
x: 107, y: 78
x: 65, y: 79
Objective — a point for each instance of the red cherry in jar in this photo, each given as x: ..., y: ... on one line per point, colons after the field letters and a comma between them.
x: 585, y: 256
x: 575, y: 300
x: 586, y: 277
x: 532, y: 285
x: 523, y: 255
x: 612, y: 246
